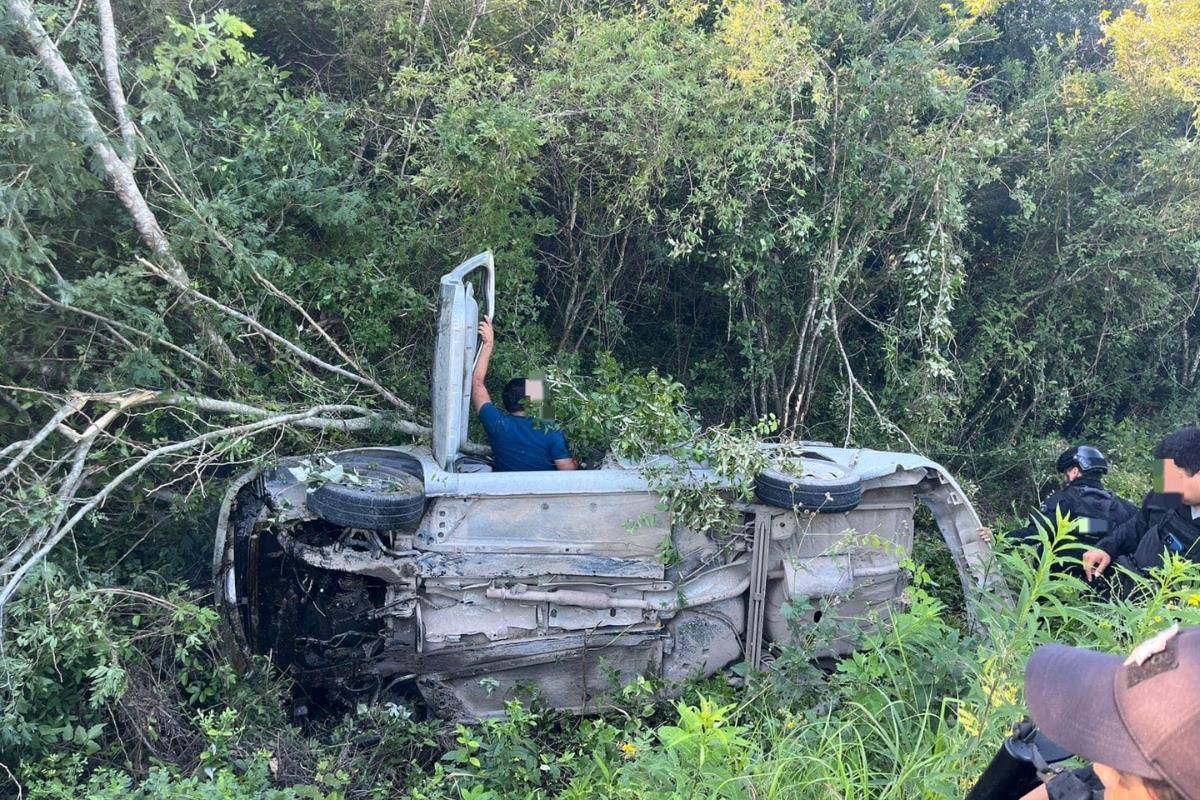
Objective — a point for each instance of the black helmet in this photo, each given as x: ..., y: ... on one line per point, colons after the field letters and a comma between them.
x: 1086, y: 457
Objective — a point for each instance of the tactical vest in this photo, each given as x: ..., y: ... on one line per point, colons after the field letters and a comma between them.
x: 1170, y: 532
x: 1093, y: 508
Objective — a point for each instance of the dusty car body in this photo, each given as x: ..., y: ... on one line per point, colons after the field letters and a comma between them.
x: 554, y: 582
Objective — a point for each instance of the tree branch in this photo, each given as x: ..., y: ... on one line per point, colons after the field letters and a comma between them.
x: 856, y: 386
x: 16, y: 569
x: 365, y: 419
x: 192, y: 357
x: 70, y: 407
x: 285, y: 297
x: 112, y: 77
x: 118, y: 172
x: 287, y: 344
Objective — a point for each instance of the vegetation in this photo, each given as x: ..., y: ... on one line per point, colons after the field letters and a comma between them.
x: 918, y: 711
x: 966, y: 228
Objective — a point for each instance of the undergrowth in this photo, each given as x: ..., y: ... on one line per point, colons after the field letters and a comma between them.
x: 916, y: 711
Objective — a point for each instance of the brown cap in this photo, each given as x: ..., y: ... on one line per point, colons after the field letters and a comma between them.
x: 1139, y: 714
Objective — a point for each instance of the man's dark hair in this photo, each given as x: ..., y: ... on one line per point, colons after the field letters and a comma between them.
x: 1183, y: 447
x: 514, y: 395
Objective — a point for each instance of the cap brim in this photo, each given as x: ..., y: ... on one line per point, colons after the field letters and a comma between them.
x: 1072, y: 699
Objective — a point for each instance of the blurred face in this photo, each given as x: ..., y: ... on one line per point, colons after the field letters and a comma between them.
x: 1072, y: 473
x: 1174, y: 480
x: 1121, y: 785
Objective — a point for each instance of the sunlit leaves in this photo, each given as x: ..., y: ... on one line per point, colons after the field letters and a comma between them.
x: 761, y: 44
x: 200, y: 44
x: 1156, y: 44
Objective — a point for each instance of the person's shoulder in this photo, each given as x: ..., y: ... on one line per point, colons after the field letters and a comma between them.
x: 1126, y: 508
x: 1150, y: 512
x: 1057, y: 498
x: 1157, y: 504
x: 489, y: 413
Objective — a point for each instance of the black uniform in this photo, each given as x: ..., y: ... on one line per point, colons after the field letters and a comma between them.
x: 1084, y: 498
x: 1076, y: 785
x: 1158, y: 527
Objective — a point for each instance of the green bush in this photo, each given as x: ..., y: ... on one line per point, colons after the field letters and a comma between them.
x: 91, y: 669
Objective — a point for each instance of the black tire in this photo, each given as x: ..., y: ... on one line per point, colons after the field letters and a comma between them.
x: 370, y: 457
x: 386, y: 498
x: 827, y: 487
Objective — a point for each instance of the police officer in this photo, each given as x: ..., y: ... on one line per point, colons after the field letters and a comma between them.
x: 1169, y: 520
x: 1084, y: 498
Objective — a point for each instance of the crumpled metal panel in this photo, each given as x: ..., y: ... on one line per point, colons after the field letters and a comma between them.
x: 618, y: 525
x: 819, y: 576
x: 579, y: 676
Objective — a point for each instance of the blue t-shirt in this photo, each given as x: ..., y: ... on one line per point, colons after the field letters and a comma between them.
x: 522, y: 444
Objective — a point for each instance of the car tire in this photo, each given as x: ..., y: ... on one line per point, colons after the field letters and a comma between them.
x: 826, y: 487
x: 386, y: 498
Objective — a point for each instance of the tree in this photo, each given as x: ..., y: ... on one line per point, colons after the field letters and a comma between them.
x: 1154, y: 46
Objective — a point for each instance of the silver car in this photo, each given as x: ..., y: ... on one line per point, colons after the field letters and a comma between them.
x: 386, y: 572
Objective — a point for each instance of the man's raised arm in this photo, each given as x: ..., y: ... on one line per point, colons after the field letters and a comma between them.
x: 479, y: 392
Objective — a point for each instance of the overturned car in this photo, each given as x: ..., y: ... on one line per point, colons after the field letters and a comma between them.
x: 405, y: 570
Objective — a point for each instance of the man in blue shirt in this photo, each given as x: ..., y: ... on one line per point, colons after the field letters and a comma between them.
x: 519, y: 442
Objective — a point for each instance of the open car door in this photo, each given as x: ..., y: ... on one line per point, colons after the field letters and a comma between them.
x: 455, y: 352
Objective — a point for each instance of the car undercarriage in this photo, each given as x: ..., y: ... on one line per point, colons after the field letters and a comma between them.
x: 403, y: 572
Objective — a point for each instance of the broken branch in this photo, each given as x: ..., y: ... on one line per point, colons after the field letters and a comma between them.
x: 287, y: 344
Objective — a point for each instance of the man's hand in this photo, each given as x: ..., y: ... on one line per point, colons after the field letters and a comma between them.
x: 1095, y: 562
x: 486, y: 333
x: 985, y: 534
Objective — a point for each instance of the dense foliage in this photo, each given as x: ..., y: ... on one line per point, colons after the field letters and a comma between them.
x: 979, y: 231
x: 967, y: 228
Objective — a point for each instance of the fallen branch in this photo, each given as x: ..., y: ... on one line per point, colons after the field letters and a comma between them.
x: 15, y: 570
x: 192, y: 357
x: 283, y: 342
x: 365, y: 420
x: 13, y: 779
x: 67, y: 511
x: 30, y: 444
x: 83, y: 441
x: 63, y: 497
x: 285, y: 297
x: 136, y: 595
